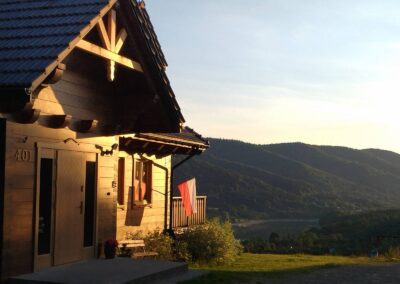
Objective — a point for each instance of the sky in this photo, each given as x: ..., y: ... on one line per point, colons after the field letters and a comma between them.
x: 274, y: 71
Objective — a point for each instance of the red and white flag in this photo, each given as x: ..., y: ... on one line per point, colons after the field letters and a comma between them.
x: 188, y: 193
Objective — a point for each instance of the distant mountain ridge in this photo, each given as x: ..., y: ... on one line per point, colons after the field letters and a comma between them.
x: 244, y: 180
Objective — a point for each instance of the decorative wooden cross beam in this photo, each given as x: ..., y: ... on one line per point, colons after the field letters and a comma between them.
x: 112, y: 45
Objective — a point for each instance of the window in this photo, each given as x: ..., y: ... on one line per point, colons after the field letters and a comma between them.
x: 45, y: 200
x: 90, y: 191
x: 143, y: 182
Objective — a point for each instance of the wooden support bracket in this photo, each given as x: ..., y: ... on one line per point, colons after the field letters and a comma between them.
x: 26, y: 116
x: 58, y: 121
x: 85, y: 126
x: 56, y: 75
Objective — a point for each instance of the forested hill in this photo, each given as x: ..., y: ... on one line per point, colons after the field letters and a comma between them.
x: 293, y: 180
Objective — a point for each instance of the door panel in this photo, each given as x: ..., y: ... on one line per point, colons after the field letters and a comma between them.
x: 68, y: 241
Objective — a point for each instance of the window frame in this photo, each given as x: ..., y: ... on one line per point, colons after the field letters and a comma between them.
x: 137, y: 173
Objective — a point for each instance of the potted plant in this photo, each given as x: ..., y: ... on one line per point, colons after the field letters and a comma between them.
x: 110, y: 248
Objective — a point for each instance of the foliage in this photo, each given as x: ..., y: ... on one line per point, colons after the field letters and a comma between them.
x: 181, y: 251
x: 213, y: 242
x: 161, y: 243
x: 356, y: 234
x: 293, y: 180
x: 393, y: 252
x: 251, y: 268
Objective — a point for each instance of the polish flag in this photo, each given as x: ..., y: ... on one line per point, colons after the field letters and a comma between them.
x: 188, y: 193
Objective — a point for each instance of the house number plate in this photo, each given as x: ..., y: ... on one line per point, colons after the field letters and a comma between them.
x: 23, y: 155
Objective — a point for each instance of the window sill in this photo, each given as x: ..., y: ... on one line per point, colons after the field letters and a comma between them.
x: 141, y: 203
x: 121, y: 207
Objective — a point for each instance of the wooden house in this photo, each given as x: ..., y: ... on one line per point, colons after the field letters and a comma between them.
x: 88, y: 124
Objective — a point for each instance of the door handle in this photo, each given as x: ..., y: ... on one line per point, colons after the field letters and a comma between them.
x: 81, y: 207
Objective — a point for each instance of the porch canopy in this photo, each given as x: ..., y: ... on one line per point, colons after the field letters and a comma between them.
x: 188, y: 142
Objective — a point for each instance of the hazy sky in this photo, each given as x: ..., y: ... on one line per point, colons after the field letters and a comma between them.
x: 263, y: 71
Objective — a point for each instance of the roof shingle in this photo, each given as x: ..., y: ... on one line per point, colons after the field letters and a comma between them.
x: 34, y: 32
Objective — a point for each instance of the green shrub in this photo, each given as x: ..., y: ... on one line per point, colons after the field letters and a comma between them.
x: 181, y: 251
x: 213, y: 242
x: 161, y: 243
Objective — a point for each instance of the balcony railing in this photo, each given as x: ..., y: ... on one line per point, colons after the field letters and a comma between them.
x: 179, y: 218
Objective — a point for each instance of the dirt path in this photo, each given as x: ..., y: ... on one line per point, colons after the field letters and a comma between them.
x: 365, y: 274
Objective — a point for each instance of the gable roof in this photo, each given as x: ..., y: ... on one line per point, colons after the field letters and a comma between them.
x: 36, y: 35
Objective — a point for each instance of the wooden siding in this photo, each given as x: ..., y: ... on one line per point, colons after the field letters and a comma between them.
x: 134, y: 219
x: 84, y: 97
x: 179, y: 218
x: 20, y: 191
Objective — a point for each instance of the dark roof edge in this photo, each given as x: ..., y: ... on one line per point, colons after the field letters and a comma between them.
x: 178, y: 138
x: 160, y: 82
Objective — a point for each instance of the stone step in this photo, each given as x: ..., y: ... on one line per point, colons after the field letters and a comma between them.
x: 102, y: 271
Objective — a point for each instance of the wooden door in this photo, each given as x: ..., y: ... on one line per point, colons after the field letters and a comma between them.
x: 69, y: 217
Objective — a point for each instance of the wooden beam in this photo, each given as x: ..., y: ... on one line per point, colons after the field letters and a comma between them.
x: 99, y: 51
x: 112, y: 19
x: 85, y: 126
x: 120, y: 40
x: 101, y: 28
x: 68, y: 49
x: 112, y: 27
x: 111, y: 70
x: 127, y: 142
x: 56, y: 75
x: 58, y: 121
x: 26, y: 116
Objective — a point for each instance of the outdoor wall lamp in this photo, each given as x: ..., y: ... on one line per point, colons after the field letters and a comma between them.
x: 107, y: 152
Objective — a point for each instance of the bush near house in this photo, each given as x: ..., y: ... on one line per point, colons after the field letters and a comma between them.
x: 161, y: 243
x: 213, y: 243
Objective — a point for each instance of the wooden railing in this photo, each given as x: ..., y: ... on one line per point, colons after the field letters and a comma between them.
x: 179, y: 218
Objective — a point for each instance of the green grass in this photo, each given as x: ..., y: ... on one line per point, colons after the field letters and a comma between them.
x: 249, y: 268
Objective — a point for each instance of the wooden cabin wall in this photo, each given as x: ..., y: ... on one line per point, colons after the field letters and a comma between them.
x: 83, y: 96
x: 82, y: 92
x: 20, y: 195
x: 2, y: 183
x: 135, y: 219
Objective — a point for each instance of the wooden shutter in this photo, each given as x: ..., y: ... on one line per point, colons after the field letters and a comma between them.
x: 121, y: 180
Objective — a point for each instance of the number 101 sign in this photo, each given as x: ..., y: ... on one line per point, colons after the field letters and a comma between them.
x: 23, y: 155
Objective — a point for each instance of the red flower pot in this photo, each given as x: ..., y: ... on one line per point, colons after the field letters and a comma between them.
x: 109, y: 251
x: 110, y: 248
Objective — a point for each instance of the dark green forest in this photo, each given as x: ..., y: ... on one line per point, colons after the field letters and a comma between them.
x: 357, y: 234
x: 293, y: 180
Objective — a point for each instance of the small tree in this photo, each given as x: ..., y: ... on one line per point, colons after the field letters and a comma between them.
x: 274, y: 238
x: 213, y: 242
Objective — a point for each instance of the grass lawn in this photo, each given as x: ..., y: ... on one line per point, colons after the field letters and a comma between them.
x: 250, y: 267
